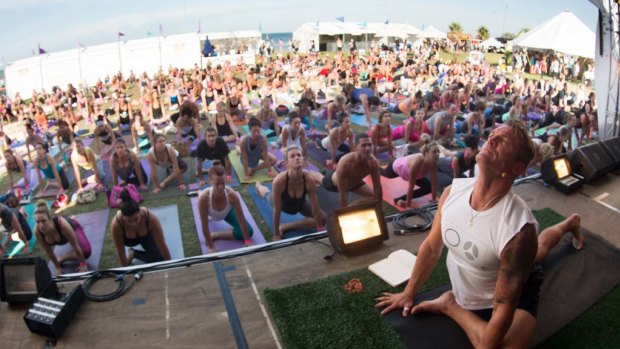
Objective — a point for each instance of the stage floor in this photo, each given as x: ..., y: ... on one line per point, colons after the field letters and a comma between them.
x: 219, y: 305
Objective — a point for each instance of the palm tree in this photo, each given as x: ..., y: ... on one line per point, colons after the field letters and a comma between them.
x: 455, y: 27
x: 483, y: 33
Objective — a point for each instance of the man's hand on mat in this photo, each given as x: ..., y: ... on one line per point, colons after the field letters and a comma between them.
x: 403, y: 203
x: 392, y: 301
x: 182, y: 186
x: 156, y: 190
x: 211, y: 249
x: 144, y: 187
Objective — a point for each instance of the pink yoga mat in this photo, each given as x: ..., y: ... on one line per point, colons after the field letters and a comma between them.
x: 225, y: 245
x: 396, y: 187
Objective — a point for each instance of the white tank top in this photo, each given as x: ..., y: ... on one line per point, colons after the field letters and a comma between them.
x: 289, y: 136
x: 474, y: 252
x: 218, y: 215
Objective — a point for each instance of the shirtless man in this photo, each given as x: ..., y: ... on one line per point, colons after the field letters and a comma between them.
x: 351, y: 170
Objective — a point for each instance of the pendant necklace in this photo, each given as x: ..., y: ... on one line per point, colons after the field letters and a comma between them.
x: 470, y: 221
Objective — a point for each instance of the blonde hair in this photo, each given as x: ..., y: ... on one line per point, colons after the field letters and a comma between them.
x: 426, y: 148
x: 545, y: 150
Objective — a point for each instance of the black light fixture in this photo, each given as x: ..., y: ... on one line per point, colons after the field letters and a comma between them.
x: 356, y: 229
x: 22, y: 279
x: 557, y: 172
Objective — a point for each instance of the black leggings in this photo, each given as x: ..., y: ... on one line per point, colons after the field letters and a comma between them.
x: 135, y: 180
x: 423, y: 183
x: 343, y: 148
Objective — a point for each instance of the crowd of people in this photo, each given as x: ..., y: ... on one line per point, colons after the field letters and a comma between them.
x: 441, y: 112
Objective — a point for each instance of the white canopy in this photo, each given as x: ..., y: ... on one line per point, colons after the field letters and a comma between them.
x: 563, y: 33
x: 491, y: 42
x: 432, y: 33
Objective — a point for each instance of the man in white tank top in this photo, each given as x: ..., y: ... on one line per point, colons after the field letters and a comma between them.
x: 493, y: 246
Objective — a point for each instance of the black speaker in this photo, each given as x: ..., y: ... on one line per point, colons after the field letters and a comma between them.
x: 591, y: 161
x: 612, y: 146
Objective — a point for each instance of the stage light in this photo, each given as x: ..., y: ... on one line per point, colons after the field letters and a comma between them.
x: 357, y: 228
x: 22, y: 279
x: 557, y: 172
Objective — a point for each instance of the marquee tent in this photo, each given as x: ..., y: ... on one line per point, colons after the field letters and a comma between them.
x: 431, y: 32
x: 563, y: 33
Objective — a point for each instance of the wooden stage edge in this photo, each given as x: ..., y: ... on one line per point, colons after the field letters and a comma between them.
x: 186, y: 308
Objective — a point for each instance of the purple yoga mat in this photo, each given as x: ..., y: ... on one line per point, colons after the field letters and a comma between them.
x: 107, y: 171
x: 225, y: 245
x: 94, y: 224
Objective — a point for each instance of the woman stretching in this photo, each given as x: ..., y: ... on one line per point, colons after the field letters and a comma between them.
x: 134, y: 225
x: 52, y: 171
x: 294, y: 191
x: 221, y: 203
x: 126, y: 166
x: 85, y: 158
x: 381, y: 135
x: 52, y: 231
x: 163, y: 155
x: 413, y: 169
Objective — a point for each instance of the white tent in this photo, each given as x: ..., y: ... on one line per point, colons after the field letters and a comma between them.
x: 432, y: 33
x: 563, y: 33
x: 491, y: 42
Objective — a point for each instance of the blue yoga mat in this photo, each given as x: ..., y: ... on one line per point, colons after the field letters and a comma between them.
x: 266, y: 211
x: 360, y: 120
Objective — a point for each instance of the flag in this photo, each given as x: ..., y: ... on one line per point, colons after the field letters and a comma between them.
x: 387, y: 21
x: 41, y: 51
x: 340, y: 19
x: 207, y: 49
x: 161, y: 30
x: 198, y: 27
x: 317, y: 24
x: 120, y: 34
x: 81, y: 45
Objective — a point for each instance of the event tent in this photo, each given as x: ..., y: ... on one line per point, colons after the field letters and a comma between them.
x: 491, y: 42
x: 323, y: 33
x: 563, y: 33
x: 431, y: 32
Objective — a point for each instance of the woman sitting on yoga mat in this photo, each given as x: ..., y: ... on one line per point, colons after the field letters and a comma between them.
x: 157, y: 108
x: 224, y: 125
x: 221, y: 203
x: 51, y: 231
x: 84, y: 158
x: 54, y: 173
x: 411, y: 129
x: 335, y: 141
x: 134, y: 225
x: 413, y: 168
x: 141, y: 131
x: 381, y: 135
x: 15, y: 164
x: 268, y: 118
x: 163, y: 155
x: 124, y: 112
x: 104, y: 134
x: 495, y: 250
x: 126, y: 166
x: 294, y: 191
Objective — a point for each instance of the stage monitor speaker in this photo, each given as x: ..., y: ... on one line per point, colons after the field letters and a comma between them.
x: 591, y: 162
x: 612, y: 146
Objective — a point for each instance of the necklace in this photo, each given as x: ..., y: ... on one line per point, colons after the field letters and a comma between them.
x: 470, y: 221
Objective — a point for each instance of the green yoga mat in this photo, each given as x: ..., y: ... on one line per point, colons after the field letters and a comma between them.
x: 304, y: 311
x: 260, y: 176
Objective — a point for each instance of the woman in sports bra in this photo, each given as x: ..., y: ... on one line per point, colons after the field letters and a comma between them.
x: 52, y: 231
x: 50, y: 169
x: 173, y: 96
x: 15, y: 164
x: 187, y: 124
x: 104, y: 134
x: 141, y: 131
x: 124, y: 112
x: 236, y: 104
x: 381, y: 135
x: 84, y: 158
x: 164, y: 156
x: 294, y: 191
x: 268, y: 118
x: 224, y: 125
x: 411, y: 130
x: 134, y: 225
x: 126, y: 166
x: 158, y: 112
x: 221, y: 203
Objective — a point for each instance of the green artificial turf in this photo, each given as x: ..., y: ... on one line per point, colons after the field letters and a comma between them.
x: 321, y: 314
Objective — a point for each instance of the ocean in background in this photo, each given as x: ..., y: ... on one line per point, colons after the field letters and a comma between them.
x: 274, y: 37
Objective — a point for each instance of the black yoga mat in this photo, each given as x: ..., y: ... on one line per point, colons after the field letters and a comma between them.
x: 574, y: 281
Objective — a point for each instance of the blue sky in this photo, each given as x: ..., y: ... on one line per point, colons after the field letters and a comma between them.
x: 58, y: 25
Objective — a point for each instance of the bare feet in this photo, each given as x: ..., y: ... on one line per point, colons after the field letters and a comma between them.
x: 436, y: 306
x: 574, y: 226
x: 261, y: 189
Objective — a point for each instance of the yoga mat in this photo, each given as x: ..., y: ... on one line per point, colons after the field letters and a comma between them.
x: 95, y: 225
x: 589, y: 274
x: 33, y: 180
x: 260, y: 176
x: 171, y: 190
x: 169, y: 219
x: 280, y: 156
x: 266, y: 211
x: 206, y: 165
x: 395, y: 187
x: 318, y: 154
x: 328, y: 200
x: 360, y: 120
x: 53, y: 191
x: 225, y: 245
x: 15, y: 247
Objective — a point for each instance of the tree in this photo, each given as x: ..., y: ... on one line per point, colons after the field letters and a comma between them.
x: 522, y: 31
x: 508, y: 36
x: 483, y: 33
x: 455, y: 27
